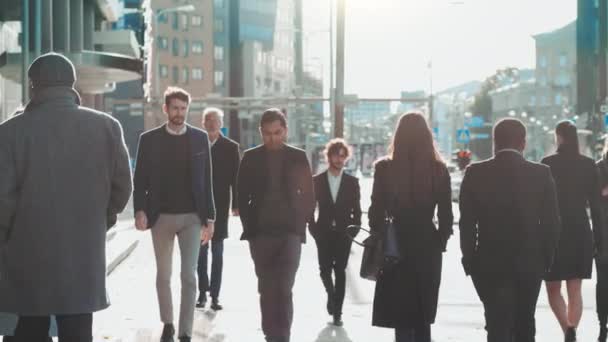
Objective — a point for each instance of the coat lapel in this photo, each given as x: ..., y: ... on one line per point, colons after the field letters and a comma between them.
x: 341, y: 188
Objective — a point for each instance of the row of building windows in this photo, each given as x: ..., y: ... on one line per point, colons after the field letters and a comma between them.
x: 558, y: 100
x: 562, y: 61
x: 285, y: 64
x: 195, y: 47
x: 196, y: 74
x: 180, y: 20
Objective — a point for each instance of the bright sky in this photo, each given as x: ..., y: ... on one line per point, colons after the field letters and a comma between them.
x: 390, y: 42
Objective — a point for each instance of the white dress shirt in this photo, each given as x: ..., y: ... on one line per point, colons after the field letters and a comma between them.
x: 334, y: 184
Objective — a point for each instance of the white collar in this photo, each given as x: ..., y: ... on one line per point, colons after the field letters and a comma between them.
x: 508, y: 150
x: 180, y: 132
x: 332, y: 175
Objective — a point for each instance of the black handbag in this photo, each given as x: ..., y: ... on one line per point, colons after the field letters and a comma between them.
x: 373, y: 253
x: 378, y: 250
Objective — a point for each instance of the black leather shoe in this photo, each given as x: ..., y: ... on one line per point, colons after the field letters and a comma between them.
x: 603, y: 334
x: 570, y: 335
x: 338, y: 320
x: 168, y: 332
x: 185, y: 339
x: 215, y: 305
x: 330, y: 305
x: 201, y: 302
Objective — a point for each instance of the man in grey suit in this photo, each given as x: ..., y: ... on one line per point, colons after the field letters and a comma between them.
x: 64, y: 176
x: 173, y: 195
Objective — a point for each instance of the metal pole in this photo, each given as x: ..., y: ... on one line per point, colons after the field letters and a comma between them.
x: 339, y: 101
x: 38, y: 29
x: 331, y: 61
x: 25, y: 49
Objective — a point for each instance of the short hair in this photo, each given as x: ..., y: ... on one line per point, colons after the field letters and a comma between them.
x: 336, y: 145
x: 509, y: 133
x: 569, y: 134
x: 271, y: 115
x: 213, y: 110
x: 176, y: 93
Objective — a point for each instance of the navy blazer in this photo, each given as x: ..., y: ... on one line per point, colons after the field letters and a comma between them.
x: 147, y: 178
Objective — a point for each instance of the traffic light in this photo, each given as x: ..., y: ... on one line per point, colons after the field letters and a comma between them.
x: 463, y: 158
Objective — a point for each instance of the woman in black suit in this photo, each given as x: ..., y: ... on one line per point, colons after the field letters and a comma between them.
x: 408, y: 185
x: 576, y: 180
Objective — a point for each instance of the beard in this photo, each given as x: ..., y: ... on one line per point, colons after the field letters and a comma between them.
x: 177, y: 120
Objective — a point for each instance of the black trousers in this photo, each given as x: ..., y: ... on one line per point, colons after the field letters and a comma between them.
x: 276, y: 260
x: 333, y: 249
x: 70, y: 328
x: 510, y: 306
x: 217, y: 265
x: 601, y: 292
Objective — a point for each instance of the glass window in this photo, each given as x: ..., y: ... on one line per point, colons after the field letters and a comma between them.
x: 532, y: 101
x: 175, y: 23
x: 219, y: 53
x: 175, y: 75
x: 563, y: 60
x: 185, y: 75
x: 184, y: 22
x: 558, y: 99
x: 163, y: 43
x: 197, y: 20
x: 218, y: 3
x: 542, y: 61
x: 219, y: 78
x: 164, y: 71
x: 197, y: 48
x: 186, y: 48
x: 163, y: 17
x: 197, y: 73
x: 277, y: 86
x: 218, y: 25
x: 175, y: 47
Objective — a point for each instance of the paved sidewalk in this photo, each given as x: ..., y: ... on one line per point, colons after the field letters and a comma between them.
x: 134, y: 313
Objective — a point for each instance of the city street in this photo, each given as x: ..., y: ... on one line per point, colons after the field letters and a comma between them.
x: 134, y: 315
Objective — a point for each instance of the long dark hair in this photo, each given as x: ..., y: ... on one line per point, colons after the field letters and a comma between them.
x: 567, y: 131
x: 414, y: 159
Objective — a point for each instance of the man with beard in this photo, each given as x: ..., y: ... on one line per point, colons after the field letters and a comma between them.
x: 275, y: 196
x: 337, y: 195
x: 173, y: 195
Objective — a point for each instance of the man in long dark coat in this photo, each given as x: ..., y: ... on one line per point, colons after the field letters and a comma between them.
x: 64, y: 176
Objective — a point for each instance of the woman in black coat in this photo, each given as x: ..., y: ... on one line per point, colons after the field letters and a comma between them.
x: 601, y: 264
x: 408, y: 185
x: 576, y: 180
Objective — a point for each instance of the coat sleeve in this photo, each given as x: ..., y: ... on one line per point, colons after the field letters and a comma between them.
x: 210, y: 200
x: 306, y: 186
x: 141, y: 178
x: 121, y: 176
x: 377, y: 212
x: 444, y: 207
x: 468, y: 219
x: 8, y: 183
x: 236, y: 160
x: 312, y: 222
x: 549, y: 219
x: 357, y: 203
x: 597, y: 213
x: 244, y: 190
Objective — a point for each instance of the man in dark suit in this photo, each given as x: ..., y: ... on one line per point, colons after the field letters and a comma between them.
x: 509, y: 228
x: 173, y: 195
x: 225, y: 159
x: 338, y: 197
x: 275, y: 195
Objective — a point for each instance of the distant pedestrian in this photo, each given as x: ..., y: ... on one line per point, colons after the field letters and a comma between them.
x: 509, y: 228
x: 173, y: 195
x: 64, y: 177
x: 276, y: 198
x: 409, y: 185
x: 577, y: 184
x: 225, y: 160
x: 338, y: 196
